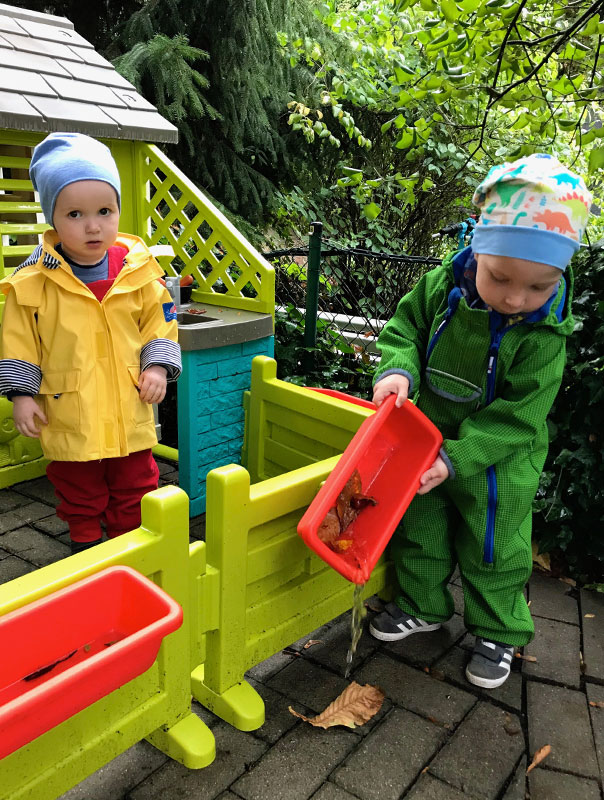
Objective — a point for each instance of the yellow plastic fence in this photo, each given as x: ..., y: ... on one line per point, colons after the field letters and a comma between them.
x: 250, y: 589
x: 157, y: 704
x: 272, y: 589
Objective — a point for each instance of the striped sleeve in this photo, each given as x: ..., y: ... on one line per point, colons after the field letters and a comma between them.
x: 19, y: 377
x: 164, y: 353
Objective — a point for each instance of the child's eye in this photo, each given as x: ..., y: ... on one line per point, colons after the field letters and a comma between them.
x: 104, y: 212
x: 498, y: 280
x: 74, y: 214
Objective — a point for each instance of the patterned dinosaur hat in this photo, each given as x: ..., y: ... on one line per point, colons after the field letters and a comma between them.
x: 534, y: 209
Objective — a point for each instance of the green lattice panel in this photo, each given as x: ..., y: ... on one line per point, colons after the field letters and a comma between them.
x: 227, y: 268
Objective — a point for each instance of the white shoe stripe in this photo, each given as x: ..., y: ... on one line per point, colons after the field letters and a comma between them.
x: 507, y: 657
x: 489, y: 644
x: 412, y: 624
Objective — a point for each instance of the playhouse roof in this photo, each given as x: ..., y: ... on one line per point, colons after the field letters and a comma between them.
x: 52, y: 79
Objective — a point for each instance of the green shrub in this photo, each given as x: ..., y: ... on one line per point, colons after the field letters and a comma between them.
x: 331, y: 364
x: 570, y: 504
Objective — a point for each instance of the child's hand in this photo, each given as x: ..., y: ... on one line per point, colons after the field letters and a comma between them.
x: 437, y: 473
x: 25, y: 412
x: 393, y: 384
x: 152, y: 384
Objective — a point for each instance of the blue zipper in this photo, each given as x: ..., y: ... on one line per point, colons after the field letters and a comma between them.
x: 489, y: 539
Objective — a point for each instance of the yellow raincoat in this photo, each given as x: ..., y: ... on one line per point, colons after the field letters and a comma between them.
x: 82, y: 358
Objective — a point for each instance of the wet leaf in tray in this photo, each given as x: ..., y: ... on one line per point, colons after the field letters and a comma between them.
x: 329, y: 530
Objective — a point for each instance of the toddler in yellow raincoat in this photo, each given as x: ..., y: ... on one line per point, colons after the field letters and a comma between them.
x: 89, y: 341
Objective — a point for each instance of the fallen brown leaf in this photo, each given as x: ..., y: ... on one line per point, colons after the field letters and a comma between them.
x: 437, y: 674
x: 525, y: 658
x: 596, y: 703
x: 540, y: 754
x: 569, y: 581
x: 541, y: 559
x: 355, y: 706
x: 511, y: 725
x: 589, y: 616
x: 311, y: 642
x: 373, y: 605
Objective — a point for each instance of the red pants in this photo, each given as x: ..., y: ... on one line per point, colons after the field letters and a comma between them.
x: 109, y: 490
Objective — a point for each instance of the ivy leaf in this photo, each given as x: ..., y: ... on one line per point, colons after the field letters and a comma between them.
x: 596, y: 159
x: 371, y: 211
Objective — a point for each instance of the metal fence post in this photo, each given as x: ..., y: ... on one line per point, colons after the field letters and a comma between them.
x: 312, y: 284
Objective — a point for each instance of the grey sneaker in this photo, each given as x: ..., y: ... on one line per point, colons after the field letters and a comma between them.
x: 490, y: 663
x: 394, y: 624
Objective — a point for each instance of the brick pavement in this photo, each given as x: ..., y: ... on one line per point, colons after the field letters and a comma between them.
x: 436, y: 737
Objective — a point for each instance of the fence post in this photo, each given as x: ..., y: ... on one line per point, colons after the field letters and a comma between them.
x: 312, y: 284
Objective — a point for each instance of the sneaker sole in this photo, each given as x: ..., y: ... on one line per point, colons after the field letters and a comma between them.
x: 486, y: 683
x: 394, y: 637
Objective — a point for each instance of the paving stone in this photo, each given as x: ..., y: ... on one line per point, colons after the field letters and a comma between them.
x: 560, y: 717
x: 595, y: 694
x: 308, y: 684
x: 22, y: 515
x: 120, y: 775
x: 306, y: 755
x: 197, y: 528
x: 551, y: 598
x: 457, y: 593
x: 557, y: 648
x: 593, y: 634
x: 235, y: 752
x: 13, y: 567
x: 164, y: 466
x: 388, y: 761
x: 517, y: 788
x: 34, y: 546
x: 52, y: 525
x: 453, y: 666
x: 547, y: 785
x: 329, y: 791
x: 423, y: 649
x: 481, y: 756
x: 278, y: 718
x: 204, y: 714
x: 430, y: 788
x: 417, y: 691
x: 39, y: 489
x: 266, y: 669
x: 334, y: 642
x: 10, y: 500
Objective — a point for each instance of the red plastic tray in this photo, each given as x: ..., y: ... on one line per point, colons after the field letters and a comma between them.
x: 391, y: 450
x: 74, y: 646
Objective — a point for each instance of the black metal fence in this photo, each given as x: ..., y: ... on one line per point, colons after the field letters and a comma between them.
x: 357, y: 290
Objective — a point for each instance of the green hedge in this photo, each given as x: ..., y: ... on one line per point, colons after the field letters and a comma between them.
x: 570, y: 506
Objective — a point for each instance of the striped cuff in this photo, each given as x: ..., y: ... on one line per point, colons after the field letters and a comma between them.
x: 164, y: 353
x: 19, y: 376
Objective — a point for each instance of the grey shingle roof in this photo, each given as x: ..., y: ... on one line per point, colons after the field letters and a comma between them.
x: 52, y: 79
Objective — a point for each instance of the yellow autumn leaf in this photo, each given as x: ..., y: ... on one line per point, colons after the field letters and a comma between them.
x: 355, y: 706
x: 540, y: 754
x: 541, y: 559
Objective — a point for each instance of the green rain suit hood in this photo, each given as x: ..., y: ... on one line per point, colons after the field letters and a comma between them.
x: 488, y: 382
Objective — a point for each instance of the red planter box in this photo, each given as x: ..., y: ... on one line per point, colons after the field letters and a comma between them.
x: 391, y: 450
x: 65, y: 651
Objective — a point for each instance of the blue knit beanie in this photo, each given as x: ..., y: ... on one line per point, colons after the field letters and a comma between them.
x: 534, y: 208
x: 64, y: 158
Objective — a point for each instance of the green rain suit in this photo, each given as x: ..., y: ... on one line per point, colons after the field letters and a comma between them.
x: 487, y: 381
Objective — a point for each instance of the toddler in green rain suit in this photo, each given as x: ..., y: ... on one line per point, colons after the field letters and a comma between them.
x: 480, y: 343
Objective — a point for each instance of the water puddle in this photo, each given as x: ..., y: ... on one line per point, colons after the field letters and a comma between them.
x: 356, y: 625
